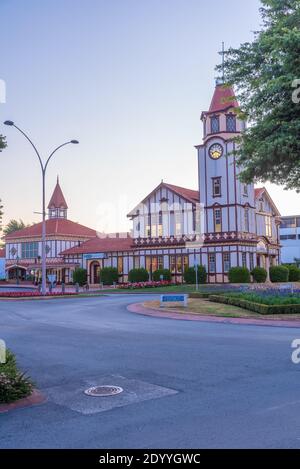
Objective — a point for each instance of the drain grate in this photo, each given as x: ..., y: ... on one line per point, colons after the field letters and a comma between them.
x: 103, y: 391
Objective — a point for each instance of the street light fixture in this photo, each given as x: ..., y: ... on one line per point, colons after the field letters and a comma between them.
x: 43, y: 168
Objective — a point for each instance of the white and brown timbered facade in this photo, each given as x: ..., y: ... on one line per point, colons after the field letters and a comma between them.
x: 223, y: 224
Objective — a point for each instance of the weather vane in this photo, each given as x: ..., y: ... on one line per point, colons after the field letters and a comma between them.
x: 222, y: 53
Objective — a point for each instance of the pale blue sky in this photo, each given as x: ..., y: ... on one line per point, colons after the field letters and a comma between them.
x: 129, y: 79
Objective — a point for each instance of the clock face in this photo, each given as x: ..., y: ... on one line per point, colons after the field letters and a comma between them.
x: 216, y: 151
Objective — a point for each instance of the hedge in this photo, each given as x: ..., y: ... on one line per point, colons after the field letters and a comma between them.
x: 279, y: 274
x: 138, y: 275
x: 165, y: 273
x: 190, y: 275
x: 294, y: 273
x: 239, y: 275
x: 109, y: 275
x: 256, y: 307
x: 80, y: 276
x: 259, y: 274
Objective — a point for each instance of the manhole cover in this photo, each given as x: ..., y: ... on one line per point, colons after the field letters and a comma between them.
x: 102, y: 391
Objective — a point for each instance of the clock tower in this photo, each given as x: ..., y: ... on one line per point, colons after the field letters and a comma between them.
x: 229, y: 206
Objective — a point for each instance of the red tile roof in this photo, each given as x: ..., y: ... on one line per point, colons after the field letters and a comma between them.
x: 221, y: 101
x: 57, y: 200
x: 258, y: 192
x: 98, y: 244
x: 54, y: 227
x: 188, y: 194
x: 2, y: 253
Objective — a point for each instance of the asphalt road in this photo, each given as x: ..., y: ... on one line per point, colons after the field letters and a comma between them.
x: 186, y: 384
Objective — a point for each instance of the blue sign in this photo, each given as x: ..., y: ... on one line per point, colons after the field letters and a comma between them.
x: 173, y: 299
x: 96, y: 255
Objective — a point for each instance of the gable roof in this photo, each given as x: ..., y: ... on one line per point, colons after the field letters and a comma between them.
x: 188, y: 194
x: 54, y: 227
x: 98, y: 244
x: 259, y: 192
x: 57, y: 200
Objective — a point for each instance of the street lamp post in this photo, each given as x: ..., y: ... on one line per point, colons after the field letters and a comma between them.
x: 43, y: 168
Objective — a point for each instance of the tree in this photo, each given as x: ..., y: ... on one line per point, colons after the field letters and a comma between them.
x: 266, y: 75
x: 14, y: 225
x: 80, y: 276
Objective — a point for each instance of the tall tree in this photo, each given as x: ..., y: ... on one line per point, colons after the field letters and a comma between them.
x: 266, y: 74
x: 14, y: 225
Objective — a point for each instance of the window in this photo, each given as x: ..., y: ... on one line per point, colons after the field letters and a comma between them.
x: 178, y: 223
x: 231, y: 123
x: 244, y: 259
x: 288, y: 223
x: 246, y: 219
x: 148, y: 225
x: 251, y: 261
x: 178, y: 264
x: 154, y: 263
x: 216, y: 187
x: 245, y: 190
x: 154, y: 218
x: 287, y: 237
x: 30, y: 250
x: 261, y: 205
x: 138, y: 226
x: 268, y: 226
x: 218, y: 220
x: 148, y: 263
x: 136, y: 262
x: 160, y: 225
x: 215, y: 124
x: 226, y: 262
x: 120, y: 265
x: 212, y: 263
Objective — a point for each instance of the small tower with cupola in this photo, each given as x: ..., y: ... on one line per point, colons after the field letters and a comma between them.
x: 57, y: 207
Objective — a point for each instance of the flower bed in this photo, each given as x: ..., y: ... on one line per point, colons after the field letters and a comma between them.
x: 135, y: 286
x: 32, y: 294
x: 262, y: 303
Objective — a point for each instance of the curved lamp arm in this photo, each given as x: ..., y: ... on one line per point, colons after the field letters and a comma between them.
x: 54, y: 151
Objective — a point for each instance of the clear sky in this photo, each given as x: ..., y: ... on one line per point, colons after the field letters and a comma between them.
x: 129, y: 79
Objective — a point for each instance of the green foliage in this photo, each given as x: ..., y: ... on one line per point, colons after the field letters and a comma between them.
x: 109, y: 275
x: 13, y: 384
x: 14, y: 225
x: 279, y: 273
x: 259, y: 274
x: 80, y: 276
x: 264, y: 73
x: 253, y: 305
x: 239, y: 275
x: 165, y: 273
x: 2, y: 143
x: 189, y: 275
x: 138, y: 275
x: 294, y: 273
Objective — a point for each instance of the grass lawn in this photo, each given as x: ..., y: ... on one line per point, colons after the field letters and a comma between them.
x: 207, y: 308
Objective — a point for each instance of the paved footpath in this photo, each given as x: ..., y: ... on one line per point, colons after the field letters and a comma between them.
x: 187, y: 384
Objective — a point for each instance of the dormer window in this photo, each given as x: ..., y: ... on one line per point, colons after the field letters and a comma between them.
x: 231, y: 123
x: 215, y: 124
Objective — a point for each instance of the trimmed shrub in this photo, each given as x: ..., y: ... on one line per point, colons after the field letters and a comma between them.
x: 294, y: 273
x: 239, y: 275
x: 165, y: 273
x: 138, y: 275
x: 80, y: 276
x: 259, y: 274
x: 13, y: 384
x: 279, y: 273
x: 256, y: 307
x: 189, y: 275
x: 109, y: 275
